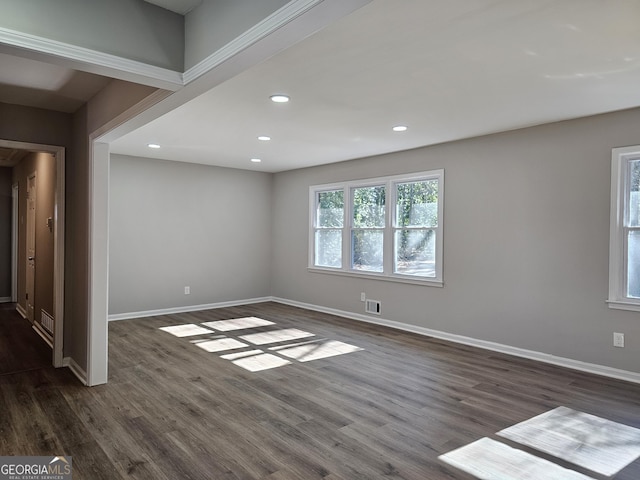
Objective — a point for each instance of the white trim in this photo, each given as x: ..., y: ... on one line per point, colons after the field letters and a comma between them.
x: 618, y: 213
x: 389, y: 184
x: 98, y: 265
x: 59, y: 219
x: 43, y: 334
x: 622, y: 305
x: 496, y: 347
x: 273, y: 22
x: 397, y: 278
x: 95, y: 62
x: 126, y: 121
x: 186, y: 309
x: 102, y: 63
x: 5, y: 299
x: 97, y: 289
x: 76, y: 369
x: 58, y: 242
x: 21, y: 311
x: 97, y: 286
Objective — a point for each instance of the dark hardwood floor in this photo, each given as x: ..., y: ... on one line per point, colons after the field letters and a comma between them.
x: 172, y: 410
x: 20, y: 347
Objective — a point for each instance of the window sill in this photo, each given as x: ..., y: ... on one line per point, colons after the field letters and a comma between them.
x: 624, y: 305
x: 385, y: 278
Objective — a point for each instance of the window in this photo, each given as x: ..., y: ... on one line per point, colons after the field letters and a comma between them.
x: 624, y: 238
x: 387, y: 228
x: 328, y: 229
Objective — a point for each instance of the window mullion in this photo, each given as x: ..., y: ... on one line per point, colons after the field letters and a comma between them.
x: 388, y: 250
x: 347, y: 249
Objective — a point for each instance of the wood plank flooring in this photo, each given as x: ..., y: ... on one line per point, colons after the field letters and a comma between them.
x: 18, y: 349
x: 172, y: 410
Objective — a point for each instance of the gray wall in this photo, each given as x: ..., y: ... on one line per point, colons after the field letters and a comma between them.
x: 177, y: 224
x: 130, y: 29
x: 217, y: 22
x: 113, y: 100
x: 526, y: 241
x: 5, y: 232
x: 34, y: 125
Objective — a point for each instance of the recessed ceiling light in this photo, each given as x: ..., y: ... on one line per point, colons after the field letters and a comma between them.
x: 264, y: 138
x: 399, y: 128
x: 153, y: 145
x: 279, y: 98
x: 256, y: 160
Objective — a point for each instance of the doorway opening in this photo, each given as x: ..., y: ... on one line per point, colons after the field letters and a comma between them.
x: 37, y: 238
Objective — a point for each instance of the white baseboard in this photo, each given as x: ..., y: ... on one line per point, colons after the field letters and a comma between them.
x: 5, y: 299
x: 493, y: 346
x: 186, y: 309
x: 20, y: 309
x: 496, y: 347
x: 43, y: 334
x: 77, y: 370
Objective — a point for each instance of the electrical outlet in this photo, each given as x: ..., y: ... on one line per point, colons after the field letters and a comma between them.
x: 618, y: 340
x: 363, y: 297
x: 187, y: 290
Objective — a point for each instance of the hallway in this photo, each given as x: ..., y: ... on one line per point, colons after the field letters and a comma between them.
x: 21, y: 349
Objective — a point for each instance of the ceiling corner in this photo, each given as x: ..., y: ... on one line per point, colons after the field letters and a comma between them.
x: 181, y: 7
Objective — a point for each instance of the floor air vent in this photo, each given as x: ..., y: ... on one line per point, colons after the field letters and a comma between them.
x: 47, y: 321
x: 372, y: 306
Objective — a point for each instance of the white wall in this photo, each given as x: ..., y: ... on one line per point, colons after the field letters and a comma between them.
x: 526, y: 229
x: 176, y: 224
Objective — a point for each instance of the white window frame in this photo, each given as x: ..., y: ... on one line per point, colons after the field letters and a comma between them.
x: 388, y: 256
x: 620, y: 183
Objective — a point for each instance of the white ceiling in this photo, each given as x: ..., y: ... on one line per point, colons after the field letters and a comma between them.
x: 447, y: 69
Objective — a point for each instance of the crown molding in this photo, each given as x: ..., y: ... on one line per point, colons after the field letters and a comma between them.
x: 93, y: 61
x: 273, y: 22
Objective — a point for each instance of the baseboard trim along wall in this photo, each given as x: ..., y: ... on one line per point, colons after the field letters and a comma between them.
x: 496, y: 347
x: 77, y: 370
x: 43, y: 334
x: 20, y: 309
x: 5, y: 299
x: 185, y: 309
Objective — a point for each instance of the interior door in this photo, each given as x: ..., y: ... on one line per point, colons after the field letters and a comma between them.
x: 31, y: 246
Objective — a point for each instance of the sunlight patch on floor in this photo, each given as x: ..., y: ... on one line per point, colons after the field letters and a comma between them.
x: 258, y: 361
x: 591, y: 442
x: 269, y: 356
x: 220, y: 344
x: 238, y: 324
x: 275, y: 336
x: 487, y: 459
x: 186, y: 330
x: 316, y: 351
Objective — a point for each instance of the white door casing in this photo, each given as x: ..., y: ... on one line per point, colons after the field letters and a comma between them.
x: 31, y: 247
